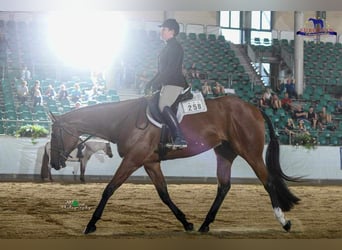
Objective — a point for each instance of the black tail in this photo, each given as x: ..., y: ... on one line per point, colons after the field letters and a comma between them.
x: 277, y: 177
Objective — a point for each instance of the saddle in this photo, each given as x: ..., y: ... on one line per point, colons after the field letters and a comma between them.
x: 153, y: 104
x: 156, y: 114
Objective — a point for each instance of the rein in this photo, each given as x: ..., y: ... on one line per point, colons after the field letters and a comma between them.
x: 61, y: 150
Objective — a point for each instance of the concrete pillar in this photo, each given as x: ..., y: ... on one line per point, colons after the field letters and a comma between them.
x: 298, y: 53
x: 246, y: 21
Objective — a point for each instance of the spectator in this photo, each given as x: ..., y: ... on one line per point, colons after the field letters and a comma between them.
x: 302, y: 128
x: 290, y: 127
x: 193, y: 73
x: 206, y: 89
x: 37, y: 96
x: 23, y: 92
x: 63, y: 94
x: 33, y: 89
x: 275, y: 102
x: 263, y: 103
x: 218, y: 89
x: 76, y: 93
x: 268, y: 95
x: 25, y: 74
x: 50, y: 92
x: 324, y: 119
x: 299, y: 113
x: 311, y: 116
x: 290, y: 88
x: 286, y: 102
x: 77, y: 105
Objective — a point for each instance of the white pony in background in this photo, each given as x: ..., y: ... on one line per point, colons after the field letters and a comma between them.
x: 89, y: 148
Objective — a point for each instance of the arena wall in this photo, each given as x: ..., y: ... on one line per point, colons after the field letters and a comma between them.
x: 21, y: 160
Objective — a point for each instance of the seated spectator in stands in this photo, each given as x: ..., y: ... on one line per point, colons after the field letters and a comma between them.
x: 50, y: 93
x: 268, y: 95
x: 37, y: 96
x: 263, y: 102
x: 206, y: 89
x: 218, y: 89
x: 290, y: 127
x: 325, y: 119
x: 299, y: 113
x: 63, y: 94
x: 290, y: 88
x: 193, y: 73
x: 275, y: 102
x: 76, y: 93
x: 77, y: 105
x: 338, y: 107
x: 23, y: 92
x: 302, y: 128
x: 311, y: 116
x: 34, y: 87
x: 286, y: 102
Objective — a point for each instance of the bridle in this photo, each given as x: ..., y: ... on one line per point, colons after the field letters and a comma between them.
x: 60, y: 143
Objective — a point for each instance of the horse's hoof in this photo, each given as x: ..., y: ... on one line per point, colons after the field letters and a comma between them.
x: 89, y: 229
x: 203, y: 229
x: 287, y: 226
x: 189, y: 227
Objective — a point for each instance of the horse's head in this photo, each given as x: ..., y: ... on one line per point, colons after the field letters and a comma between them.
x: 64, y: 139
x: 109, y: 150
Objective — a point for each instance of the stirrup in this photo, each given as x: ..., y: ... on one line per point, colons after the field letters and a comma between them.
x: 179, y: 145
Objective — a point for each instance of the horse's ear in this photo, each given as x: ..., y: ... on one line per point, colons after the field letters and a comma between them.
x: 52, y: 116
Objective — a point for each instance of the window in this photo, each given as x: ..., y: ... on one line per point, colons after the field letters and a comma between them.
x: 261, y: 20
x: 230, y: 23
x: 230, y: 19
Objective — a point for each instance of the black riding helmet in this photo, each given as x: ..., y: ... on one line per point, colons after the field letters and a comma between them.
x: 172, y: 24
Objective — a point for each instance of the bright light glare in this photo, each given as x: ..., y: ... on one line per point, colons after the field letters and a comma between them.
x: 86, y: 40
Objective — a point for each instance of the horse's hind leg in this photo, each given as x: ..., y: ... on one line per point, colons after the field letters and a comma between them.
x: 272, y: 185
x: 157, y: 177
x: 225, y: 159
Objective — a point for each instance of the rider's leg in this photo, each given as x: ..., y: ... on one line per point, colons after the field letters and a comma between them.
x: 168, y: 95
x: 177, y: 135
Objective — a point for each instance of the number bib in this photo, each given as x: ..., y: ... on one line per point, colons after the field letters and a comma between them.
x: 193, y: 106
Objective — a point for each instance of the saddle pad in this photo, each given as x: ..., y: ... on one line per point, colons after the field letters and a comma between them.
x: 193, y: 106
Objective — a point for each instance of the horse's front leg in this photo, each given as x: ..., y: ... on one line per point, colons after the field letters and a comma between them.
x: 49, y: 174
x: 126, y: 168
x: 224, y: 161
x: 157, y: 177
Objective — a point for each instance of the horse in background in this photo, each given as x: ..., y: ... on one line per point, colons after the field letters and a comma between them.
x: 89, y: 148
x: 231, y: 127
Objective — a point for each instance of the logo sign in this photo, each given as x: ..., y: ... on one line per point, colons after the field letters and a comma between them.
x: 316, y: 27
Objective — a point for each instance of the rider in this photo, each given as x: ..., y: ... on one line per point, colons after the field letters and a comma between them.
x: 170, y: 79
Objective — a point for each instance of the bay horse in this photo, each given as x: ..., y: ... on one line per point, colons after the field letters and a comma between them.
x: 230, y: 127
x: 90, y: 147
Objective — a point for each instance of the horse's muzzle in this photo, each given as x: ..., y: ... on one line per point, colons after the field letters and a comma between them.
x: 59, y: 165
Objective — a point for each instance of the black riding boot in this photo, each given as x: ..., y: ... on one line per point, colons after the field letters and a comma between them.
x: 171, y: 120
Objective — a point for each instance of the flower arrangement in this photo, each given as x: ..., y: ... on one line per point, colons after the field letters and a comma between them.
x: 306, y: 140
x: 33, y: 131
